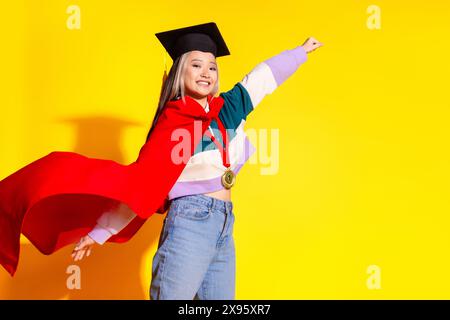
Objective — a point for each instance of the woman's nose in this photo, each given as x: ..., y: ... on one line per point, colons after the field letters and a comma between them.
x: 205, y: 74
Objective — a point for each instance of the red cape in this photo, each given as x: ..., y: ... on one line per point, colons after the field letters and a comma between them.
x: 56, y: 200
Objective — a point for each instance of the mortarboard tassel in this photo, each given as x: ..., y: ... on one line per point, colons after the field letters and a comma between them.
x: 165, y: 74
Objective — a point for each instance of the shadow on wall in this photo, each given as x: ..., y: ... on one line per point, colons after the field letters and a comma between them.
x: 112, y: 271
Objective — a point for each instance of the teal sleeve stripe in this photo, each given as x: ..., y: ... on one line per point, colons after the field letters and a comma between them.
x: 237, y: 106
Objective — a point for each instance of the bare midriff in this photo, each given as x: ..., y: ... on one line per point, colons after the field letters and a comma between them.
x: 224, y: 194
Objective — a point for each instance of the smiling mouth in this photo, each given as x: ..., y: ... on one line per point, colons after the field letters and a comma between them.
x: 203, y: 83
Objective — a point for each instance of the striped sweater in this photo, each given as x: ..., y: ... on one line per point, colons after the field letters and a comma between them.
x: 204, y: 169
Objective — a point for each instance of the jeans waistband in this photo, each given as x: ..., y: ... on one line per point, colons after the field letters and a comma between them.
x: 210, y: 202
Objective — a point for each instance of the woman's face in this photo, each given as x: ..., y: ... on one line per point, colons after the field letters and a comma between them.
x: 201, y: 67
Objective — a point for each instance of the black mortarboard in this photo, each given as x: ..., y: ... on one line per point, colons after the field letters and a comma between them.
x: 203, y: 37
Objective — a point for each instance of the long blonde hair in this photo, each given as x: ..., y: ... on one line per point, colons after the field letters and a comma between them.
x: 173, y: 87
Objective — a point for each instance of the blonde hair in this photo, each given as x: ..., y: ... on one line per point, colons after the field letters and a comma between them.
x: 173, y: 86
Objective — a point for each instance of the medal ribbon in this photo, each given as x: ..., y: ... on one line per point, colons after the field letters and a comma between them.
x: 223, y: 150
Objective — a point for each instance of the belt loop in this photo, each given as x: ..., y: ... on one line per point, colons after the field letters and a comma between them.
x: 211, y: 204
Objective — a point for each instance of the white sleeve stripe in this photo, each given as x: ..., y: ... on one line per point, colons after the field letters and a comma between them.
x: 259, y: 82
x: 117, y: 219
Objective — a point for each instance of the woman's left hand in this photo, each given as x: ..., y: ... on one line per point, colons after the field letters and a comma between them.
x: 311, y: 44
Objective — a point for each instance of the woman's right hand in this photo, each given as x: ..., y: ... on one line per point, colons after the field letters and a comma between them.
x: 83, y: 247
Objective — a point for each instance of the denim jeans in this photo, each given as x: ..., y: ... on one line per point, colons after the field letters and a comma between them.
x: 196, y: 254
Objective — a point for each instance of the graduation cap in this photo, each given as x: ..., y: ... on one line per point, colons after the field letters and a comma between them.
x: 203, y: 37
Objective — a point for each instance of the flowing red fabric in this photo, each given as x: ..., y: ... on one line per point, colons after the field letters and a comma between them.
x: 57, y: 199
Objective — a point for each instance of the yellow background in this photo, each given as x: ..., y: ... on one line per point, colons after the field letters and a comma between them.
x: 363, y: 176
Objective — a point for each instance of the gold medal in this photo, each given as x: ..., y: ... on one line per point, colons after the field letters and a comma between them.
x: 228, y: 178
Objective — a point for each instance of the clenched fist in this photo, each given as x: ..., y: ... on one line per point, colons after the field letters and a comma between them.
x: 84, y: 246
x: 311, y: 44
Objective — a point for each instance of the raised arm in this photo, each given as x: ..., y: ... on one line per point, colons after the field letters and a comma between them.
x: 264, y: 78
x: 271, y: 73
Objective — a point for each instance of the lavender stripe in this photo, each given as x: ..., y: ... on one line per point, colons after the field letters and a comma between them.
x: 99, y: 234
x: 184, y: 188
x: 286, y: 63
x: 195, y: 187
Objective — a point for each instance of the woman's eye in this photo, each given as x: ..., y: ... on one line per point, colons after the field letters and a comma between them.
x: 196, y: 65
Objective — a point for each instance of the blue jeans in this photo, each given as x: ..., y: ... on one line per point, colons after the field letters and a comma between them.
x: 196, y: 255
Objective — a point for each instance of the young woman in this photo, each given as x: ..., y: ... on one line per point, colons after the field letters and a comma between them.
x: 196, y: 254
x: 195, y: 147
